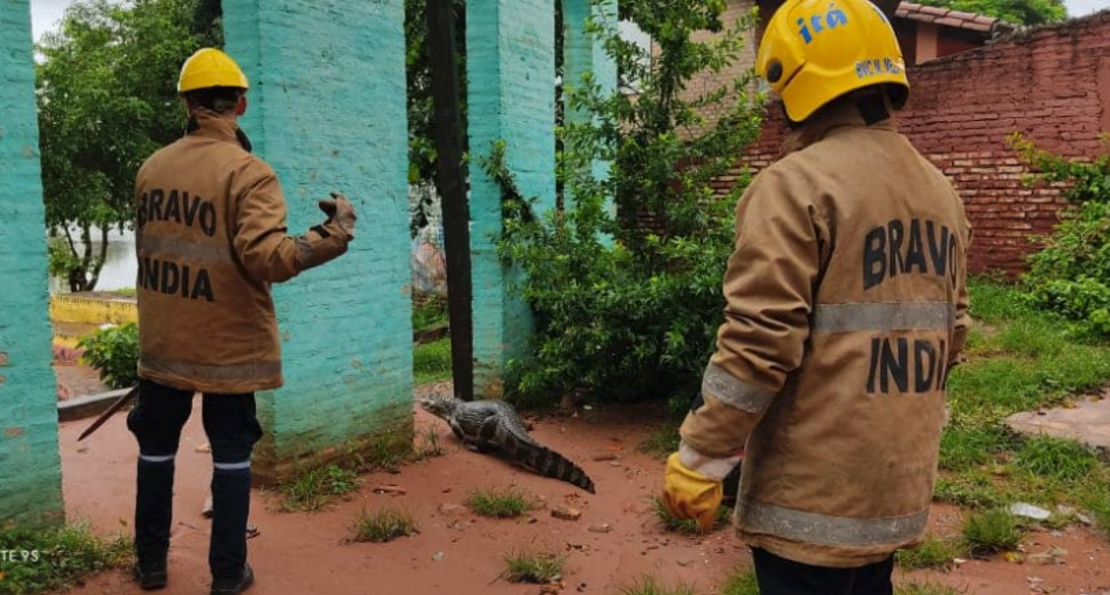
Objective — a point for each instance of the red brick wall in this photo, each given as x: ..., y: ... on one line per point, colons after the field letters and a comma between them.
x: 1052, y: 84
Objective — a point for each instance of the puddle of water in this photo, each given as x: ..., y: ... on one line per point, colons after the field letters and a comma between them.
x: 120, y: 264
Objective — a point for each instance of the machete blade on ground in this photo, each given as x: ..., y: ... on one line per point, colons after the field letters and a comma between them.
x: 111, y: 411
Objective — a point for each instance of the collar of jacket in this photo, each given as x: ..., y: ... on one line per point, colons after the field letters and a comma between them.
x: 826, y: 122
x: 211, y: 125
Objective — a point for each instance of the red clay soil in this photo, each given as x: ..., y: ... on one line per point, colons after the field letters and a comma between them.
x: 459, y: 553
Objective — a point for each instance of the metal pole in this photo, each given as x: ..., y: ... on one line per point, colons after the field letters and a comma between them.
x: 451, y: 187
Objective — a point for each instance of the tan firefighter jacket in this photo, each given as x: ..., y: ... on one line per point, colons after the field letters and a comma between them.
x: 211, y: 237
x: 846, y: 306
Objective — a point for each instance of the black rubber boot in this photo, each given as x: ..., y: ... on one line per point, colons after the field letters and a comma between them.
x: 234, y: 586
x: 151, y: 577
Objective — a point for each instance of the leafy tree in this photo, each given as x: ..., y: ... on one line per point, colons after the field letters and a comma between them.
x: 628, y: 305
x: 1019, y: 12
x: 107, y: 100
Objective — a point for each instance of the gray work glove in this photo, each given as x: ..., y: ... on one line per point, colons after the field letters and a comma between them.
x: 341, y: 215
x: 329, y: 240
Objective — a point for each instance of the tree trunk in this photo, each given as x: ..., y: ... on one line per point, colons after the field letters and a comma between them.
x: 98, y: 264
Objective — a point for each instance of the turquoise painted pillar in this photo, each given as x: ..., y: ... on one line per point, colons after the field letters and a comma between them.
x: 30, y: 468
x: 327, y: 111
x: 510, y: 48
x: 584, y: 55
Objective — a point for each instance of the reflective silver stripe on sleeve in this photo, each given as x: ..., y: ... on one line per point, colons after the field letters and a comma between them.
x: 157, y: 459
x: 232, y: 372
x: 820, y: 529
x: 883, y: 316
x: 232, y: 466
x: 735, y: 392
x: 168, y: 247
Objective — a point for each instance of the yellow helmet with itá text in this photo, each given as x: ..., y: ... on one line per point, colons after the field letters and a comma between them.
x: 814, y: 51
x: 209, y: 67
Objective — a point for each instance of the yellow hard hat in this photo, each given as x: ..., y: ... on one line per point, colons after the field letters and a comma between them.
x: 209, y: 67
x: 814, y: 51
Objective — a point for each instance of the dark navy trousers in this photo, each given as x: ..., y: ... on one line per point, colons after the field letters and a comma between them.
x: 233, y: 429
x: 779, y: 576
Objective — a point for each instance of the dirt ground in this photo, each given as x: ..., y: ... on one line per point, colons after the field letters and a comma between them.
x: 76, y: 380
x: 459, y: 553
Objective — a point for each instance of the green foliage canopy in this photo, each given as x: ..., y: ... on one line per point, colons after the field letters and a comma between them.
x: 107, y: 99
x: 1019, y: 12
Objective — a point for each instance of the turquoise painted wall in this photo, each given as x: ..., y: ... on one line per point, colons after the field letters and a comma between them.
x: 30, y: 468
x: 585, y: 53
x: 511, y: 86
x: 327, y: 111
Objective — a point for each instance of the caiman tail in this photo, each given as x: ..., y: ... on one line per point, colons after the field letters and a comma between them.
x: 548, y: 463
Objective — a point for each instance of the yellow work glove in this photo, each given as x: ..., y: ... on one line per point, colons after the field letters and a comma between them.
x: 688, y: 494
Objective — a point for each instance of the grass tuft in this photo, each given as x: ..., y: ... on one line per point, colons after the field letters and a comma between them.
x: 686, y: 526
x: 648, y: 586
x: 501, y: 504
x: 992, y: 531
x: 430, y: 446
x: 316, y: 488
x: 384, y: 525
x: 742, y: 582
x: 58, y: 557
x: 662, y: 441
x: 532, y: 567
x: 932, y: 553
x: 925, y: 589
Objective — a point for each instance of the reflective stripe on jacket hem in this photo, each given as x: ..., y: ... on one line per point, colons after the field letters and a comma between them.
x: 821, y: 529
x: 228, y: 373
x: 734, y: 392
x: 179, y: 247
x: 883, y: 316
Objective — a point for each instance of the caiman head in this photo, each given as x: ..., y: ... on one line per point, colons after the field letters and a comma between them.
x: 442, y: 406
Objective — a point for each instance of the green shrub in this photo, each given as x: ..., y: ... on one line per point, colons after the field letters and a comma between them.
x: 114, y: 353
x: 623, y: 309
x: 61, y: 557
x: 1071, y: 274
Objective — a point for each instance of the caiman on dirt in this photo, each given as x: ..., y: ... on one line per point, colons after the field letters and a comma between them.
x: 495, y: 425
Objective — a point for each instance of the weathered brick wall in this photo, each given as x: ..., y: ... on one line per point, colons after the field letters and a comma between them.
x: 1052, y: 84
x: 510, y: 68
x: 30, y: 468
x: 328, y: 112
x: 709, y: 82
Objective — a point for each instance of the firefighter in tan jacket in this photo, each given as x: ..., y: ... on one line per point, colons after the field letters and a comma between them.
x: 846, y: 309
x: 211, y: 238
